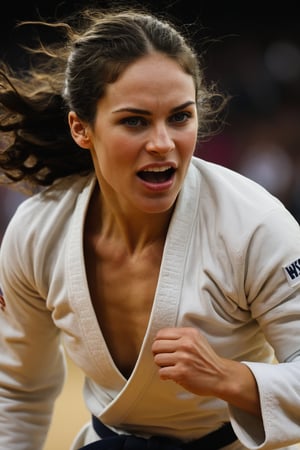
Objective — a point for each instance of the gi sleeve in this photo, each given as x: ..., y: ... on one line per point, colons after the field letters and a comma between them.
x: 32, y: 364
x: 272, y: 289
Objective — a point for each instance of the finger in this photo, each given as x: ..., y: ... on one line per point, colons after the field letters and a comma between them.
x: 164, y: 359
x: 168, y: 333
x: 164, y: 346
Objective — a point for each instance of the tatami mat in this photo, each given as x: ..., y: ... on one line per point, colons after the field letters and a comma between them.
x: 70, y: 413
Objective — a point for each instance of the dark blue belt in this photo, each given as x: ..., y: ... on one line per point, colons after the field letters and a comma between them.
x: 113, y: 441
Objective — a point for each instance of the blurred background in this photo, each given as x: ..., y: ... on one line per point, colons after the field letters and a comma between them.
x: 251, y: 51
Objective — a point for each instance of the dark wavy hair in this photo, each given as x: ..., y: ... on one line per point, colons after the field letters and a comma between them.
x: 36, y: 146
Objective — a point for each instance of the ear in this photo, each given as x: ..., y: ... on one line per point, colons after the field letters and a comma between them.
x: 79, y: 131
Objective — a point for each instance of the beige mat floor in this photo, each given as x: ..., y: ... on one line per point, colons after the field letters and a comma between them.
x: 70, y: 412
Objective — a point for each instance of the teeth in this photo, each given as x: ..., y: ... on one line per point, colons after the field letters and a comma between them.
x: 157, y: 169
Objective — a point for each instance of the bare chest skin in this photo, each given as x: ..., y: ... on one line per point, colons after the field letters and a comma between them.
x: 122, y: 289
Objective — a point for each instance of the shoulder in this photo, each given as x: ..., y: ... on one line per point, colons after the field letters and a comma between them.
x: 227, y: 187
x: 244, y: 223
x: 240, y: 208
x: 52, y: 202
x: 42, y: 219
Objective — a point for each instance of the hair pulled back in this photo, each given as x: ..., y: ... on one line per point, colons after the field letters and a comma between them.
x: 35, y: 144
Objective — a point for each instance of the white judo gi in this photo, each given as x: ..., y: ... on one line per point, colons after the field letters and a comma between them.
x: 231, y: 267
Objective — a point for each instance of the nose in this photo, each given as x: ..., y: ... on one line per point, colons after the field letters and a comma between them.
x: 160, y: 140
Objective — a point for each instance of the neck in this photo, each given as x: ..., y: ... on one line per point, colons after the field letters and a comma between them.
x: 134, y: 230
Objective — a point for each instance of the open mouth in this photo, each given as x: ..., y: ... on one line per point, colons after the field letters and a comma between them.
x: 157, y: 175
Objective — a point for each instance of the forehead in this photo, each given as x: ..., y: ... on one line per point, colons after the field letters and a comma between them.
x: 152, y: 77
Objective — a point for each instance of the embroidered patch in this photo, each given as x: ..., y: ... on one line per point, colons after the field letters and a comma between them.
x: 2, y: 301
x: 292, y: 272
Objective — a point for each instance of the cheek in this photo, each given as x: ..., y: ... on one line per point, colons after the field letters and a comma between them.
x: 123, y: 150
x: 113, y: 156
x: 188, y: 143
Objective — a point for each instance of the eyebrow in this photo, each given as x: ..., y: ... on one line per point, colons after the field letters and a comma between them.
x: 148, y: 113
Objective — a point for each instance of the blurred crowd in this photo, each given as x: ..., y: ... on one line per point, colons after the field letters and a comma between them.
x: 260, y: 137
x: 261, y: 134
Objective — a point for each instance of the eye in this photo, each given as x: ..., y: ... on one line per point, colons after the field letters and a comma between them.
x: 180, y: 117
x: 134, y: 121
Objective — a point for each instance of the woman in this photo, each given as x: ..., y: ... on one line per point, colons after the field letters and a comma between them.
x: 170, y: 280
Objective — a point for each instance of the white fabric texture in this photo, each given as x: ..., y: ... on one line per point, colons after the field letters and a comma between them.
x: 222, y: 271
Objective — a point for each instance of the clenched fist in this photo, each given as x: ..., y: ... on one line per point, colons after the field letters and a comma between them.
x: 184, y: 356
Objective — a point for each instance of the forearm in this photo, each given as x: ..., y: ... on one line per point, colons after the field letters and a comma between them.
x: 24, y: 423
